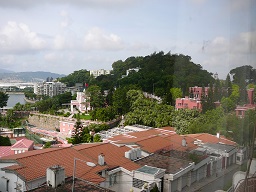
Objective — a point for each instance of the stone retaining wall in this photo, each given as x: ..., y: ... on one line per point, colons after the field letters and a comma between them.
x: 45, y: 121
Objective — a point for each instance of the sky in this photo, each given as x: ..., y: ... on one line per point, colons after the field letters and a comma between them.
x: 63, y: 36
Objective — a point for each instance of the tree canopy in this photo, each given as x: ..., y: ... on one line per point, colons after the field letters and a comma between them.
x: 3, y: 99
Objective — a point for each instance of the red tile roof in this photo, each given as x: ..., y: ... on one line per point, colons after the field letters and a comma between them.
x: 33, y: 164
x: 141, y: 135
x: 114, y: 155
x: 23, y: 143
x: 154, y: 144
x: 208, y: 138
x: 5, y: 151
x: 174, y: 142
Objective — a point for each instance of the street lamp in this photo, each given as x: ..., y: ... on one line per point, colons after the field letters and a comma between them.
x: 90, y: 164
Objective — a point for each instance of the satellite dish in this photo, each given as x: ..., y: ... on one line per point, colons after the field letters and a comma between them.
x: 90, y: 164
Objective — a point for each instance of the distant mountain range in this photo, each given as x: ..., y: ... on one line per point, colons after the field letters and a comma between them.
x: 38, y: 76
x: 6, y: 71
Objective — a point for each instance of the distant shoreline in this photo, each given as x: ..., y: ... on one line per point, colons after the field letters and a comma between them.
x: 29, y: 101
x: 15, y: 93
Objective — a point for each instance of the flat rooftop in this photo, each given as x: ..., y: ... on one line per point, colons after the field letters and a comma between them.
x: 171, y: 164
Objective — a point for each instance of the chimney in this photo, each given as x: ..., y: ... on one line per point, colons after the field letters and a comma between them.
x: 184, y: 142
x: 250, y: 93
x: 101, y: 159
x: 55, y: 176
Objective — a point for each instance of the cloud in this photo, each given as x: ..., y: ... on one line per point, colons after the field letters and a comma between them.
x: 18, y: 38
x: 93, y: 39
x: 243, y: 43
x: 96, y: 38
x: 66, y: 19
x: 222, y: 53
x: 62, y: 42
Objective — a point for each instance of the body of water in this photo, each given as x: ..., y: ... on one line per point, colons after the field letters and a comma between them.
x: 15, y: 98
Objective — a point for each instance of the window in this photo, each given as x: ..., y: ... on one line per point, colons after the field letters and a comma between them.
x: 112, y: 179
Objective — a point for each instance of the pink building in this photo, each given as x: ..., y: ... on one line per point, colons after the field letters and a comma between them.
x: 198, y: 92
x: 20, y: 146
x: 188, y: 103
x: 66, y: 127
x: 192, y: 103
x: 81, y: 103
x: 240, y: 110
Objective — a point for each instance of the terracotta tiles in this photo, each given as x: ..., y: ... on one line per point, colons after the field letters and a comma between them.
x: 5, y: 151
x: 114, y: 155
x: 153, y: 144
x: 156, y: 143
x: 176, y: 141
x: 133, y: 137
x: 33, y: 165
x: 208, y: 138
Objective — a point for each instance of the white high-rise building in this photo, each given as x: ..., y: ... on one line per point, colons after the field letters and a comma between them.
x: 49, y: 88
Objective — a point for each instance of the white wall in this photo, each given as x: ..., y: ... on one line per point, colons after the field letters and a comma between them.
x: 13, y: 181
x: 2, y: 174
x: 124, y: 182
x: 253, y: 166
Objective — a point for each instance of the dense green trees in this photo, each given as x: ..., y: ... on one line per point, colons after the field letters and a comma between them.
x: 159, y: 72
x: 3, y: 99
x: 9, y: 120
x: 96, y: 97
x: 243, y: 75
x: 103, y: 114
x: 80, y: 76
x: 87, y: 134
x: 151, y: 113
x: 77, y: 132
x: 5, y: 141
x: 52, y: 104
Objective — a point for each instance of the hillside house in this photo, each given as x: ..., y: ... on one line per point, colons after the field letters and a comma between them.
x: 193, y: 101
x: 240, y: 110
x: 81, y: 103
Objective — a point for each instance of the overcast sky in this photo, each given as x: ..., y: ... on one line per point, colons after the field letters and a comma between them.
x: 62, y: 36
